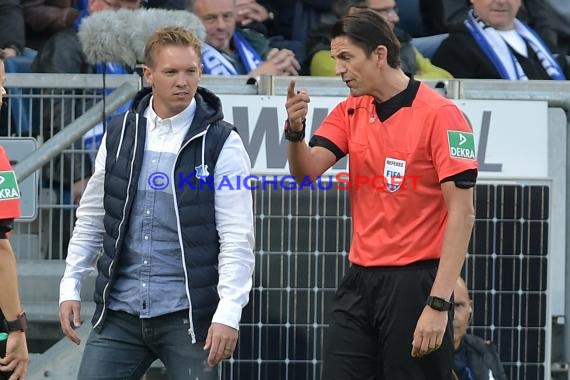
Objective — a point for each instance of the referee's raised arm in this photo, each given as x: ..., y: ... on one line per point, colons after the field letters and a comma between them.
x: 303, y: 160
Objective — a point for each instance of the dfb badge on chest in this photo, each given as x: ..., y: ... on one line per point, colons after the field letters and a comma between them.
x: 202, y: 172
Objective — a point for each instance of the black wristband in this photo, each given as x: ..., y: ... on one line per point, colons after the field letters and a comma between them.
x: 438, y: 303
x: 19, y: 324
x: 294, y: 136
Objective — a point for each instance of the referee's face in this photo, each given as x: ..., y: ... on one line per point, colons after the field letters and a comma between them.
x: 356, y: 69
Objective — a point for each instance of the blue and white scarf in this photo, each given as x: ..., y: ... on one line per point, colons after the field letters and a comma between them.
x: 495, y: 47
x: 216, y: 64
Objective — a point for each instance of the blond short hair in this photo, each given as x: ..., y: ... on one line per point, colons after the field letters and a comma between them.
x: 170, y: 36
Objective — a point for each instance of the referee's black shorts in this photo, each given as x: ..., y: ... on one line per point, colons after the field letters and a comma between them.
x: 375, y: 311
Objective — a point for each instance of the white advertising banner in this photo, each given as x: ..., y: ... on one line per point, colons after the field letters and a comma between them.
x: 510, y: 136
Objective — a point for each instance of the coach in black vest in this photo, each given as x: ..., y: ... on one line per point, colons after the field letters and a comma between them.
x: 177, y: 247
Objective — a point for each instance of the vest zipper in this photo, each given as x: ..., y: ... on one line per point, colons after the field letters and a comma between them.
x: 104, y: 310
x: 191, y: 329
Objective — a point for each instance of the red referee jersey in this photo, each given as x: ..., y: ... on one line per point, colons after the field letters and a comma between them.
x: 9, y: 191
x: 399, y: 213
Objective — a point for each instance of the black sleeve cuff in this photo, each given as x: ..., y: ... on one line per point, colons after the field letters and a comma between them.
x: 328, y: 144
x: 464, y: 180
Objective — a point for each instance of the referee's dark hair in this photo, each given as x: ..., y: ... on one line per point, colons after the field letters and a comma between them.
x: 369, y: 30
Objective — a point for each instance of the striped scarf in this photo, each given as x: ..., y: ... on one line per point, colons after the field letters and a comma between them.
x: 216, y: 64
x: 495, y: 47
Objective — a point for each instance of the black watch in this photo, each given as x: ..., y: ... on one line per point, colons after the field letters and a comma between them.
x: 294, y: 136
x: 438, y: 304
x: 19, y: 324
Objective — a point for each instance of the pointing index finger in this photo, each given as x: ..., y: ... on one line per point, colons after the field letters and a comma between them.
x: 291, y: 89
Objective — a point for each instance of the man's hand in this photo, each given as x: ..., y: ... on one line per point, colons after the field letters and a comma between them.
x: 248, y: 11
x: 278, y: 62
x: 221, y: 342
x: 78, y: 189
x: 16, y: 359
x: 70, y: 319
x: 297, y: 106
x: 10, y: 52
x: 287, y: 63
x: 429, y: 332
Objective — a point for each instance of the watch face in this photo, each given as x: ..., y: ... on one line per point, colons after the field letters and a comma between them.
x: 439, y: 304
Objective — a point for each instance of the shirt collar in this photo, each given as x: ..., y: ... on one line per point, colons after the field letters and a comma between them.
x: 175, y: 122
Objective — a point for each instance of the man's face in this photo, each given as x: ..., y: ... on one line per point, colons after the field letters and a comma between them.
x: 462, y: 311
x: 218, y: 17
x: 174, y: 79
x: 354, y: 67
x: 385, y: 8
x: 113, y: 5
x: 500, y: 14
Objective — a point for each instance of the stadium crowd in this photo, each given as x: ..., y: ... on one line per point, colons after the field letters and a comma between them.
x: 257, y: 37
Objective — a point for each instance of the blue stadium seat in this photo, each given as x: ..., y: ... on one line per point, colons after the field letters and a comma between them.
x: 21, y: 63
x: 428, y: 45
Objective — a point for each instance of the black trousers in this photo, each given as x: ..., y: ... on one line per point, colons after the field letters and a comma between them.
x: 375, y: 312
